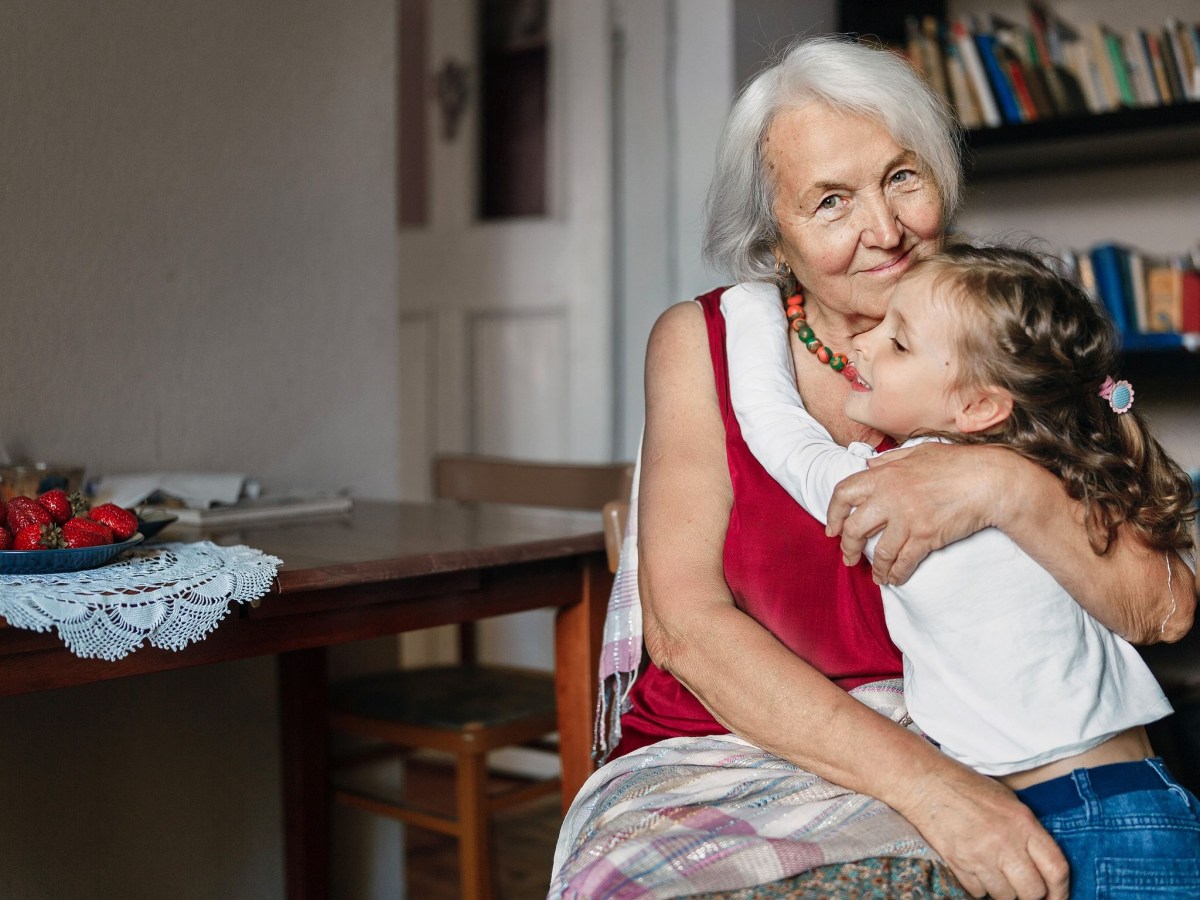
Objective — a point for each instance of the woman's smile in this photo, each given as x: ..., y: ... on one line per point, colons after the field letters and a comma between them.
x: 854, y: 209
x: 895, y: 266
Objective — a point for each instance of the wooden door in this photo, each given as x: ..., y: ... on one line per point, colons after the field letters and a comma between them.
x: 506, y: 318
x: 506, y: 299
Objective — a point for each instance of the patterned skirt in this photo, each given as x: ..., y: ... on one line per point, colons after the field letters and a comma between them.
x: 879, y: 878
x: 713, y: 817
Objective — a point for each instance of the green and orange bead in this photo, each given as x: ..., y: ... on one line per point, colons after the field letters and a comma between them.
x: 798, y: 322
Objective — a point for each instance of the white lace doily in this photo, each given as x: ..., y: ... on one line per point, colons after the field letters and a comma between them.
x: 169, y: 594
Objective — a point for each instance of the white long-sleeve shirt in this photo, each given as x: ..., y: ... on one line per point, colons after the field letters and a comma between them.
x: 1001, y: 666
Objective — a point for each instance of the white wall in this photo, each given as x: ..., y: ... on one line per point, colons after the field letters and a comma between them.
x: 197, y: 270
x: 680, y: 66
x: 763, y: 29
x: 674, y: 86
x: 198, y: 210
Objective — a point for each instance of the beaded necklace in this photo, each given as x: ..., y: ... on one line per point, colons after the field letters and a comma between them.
x: 798, y: 322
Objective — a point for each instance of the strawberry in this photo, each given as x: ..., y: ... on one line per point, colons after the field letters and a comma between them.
x: 122, y: 522
x: 62, y: 506
x: 5, y: 538
x: 3, y: 514
x: 81, y: 532
x: 24, y: 511
x: 37, y: 537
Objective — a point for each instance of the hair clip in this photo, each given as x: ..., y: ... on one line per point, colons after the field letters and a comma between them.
x: 1119, y: 395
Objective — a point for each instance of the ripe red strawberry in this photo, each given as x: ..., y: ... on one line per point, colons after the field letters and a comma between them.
x: 122, y: 522
x: 61, y: 505
x: 81, y: 532
x: 38, y: 537
x: 3, y: 514
x: 24, y: 511
x: 5, y: 538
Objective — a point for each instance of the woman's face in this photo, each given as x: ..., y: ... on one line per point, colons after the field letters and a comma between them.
x: 855, y: 210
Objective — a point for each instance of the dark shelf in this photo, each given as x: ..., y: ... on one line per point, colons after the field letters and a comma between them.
x: 1144, y: 134
x: 1138, y: 342
x: 1163, y: 359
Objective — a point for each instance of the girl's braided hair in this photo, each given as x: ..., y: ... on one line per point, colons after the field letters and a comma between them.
x: 1036, y: 334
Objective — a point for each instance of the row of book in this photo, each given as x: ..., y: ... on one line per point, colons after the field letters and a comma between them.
x: 996, y: 72
x: 1144, y: 294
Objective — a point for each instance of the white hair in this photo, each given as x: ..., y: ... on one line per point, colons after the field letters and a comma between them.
x: 741, y: 229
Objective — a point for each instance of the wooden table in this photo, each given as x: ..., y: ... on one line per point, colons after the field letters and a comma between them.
x: 384, y: 569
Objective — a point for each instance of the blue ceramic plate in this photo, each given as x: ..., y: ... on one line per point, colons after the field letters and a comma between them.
x: 45, y: 562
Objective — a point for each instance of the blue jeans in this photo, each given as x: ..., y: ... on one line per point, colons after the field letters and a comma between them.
x: 1129, y: 830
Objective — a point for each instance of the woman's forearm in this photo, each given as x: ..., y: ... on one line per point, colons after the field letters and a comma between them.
x: 760, y: 690
x: 1127, y: 589
x: 928, y: 497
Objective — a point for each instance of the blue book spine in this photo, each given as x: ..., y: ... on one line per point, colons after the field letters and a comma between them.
x: 1110, y: 283
x: 1006, y: 97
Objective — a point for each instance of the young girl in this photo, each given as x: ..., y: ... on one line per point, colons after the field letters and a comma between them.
x: 1001, y: 667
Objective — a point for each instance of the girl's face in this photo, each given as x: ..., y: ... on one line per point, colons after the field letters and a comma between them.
x: 906, y: 364
x: 854, y: 209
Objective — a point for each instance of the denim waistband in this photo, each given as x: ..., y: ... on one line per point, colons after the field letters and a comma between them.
x: 1069, y: 791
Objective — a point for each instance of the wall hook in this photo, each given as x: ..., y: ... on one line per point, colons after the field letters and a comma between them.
x: 453, y: 90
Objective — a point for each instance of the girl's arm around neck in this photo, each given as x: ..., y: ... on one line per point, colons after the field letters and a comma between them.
x: 930, y: 496
x: 791, y: 445
x: 757, y: 687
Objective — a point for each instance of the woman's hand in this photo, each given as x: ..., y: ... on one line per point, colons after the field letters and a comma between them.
x: 924, y: 498
x: 921, y: 498
x: 990, y: 840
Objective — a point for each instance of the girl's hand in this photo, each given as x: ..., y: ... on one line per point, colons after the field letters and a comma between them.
x: 921, y: 499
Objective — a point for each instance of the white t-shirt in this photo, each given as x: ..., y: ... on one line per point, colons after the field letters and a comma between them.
x: 1001, y: 666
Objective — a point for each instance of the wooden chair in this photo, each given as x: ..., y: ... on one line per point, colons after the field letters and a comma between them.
x: 468, y: 710
x: 615, y: 515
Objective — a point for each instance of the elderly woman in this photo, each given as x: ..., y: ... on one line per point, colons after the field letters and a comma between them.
x: 770, y: 658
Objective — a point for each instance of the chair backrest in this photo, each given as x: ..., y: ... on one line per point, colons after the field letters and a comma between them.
x: 615, y: 515
x: 490, y: 479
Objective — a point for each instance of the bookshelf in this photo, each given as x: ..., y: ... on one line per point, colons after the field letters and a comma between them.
x: 1162, y: 359
x: 1048, y: 96
x: 1122, y: 137
x: 1153, y: 343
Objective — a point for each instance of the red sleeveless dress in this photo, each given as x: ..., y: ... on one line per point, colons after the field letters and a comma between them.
x: 784, y: 573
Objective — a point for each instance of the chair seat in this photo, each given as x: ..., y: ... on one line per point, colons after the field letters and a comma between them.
x: 448, y: 697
